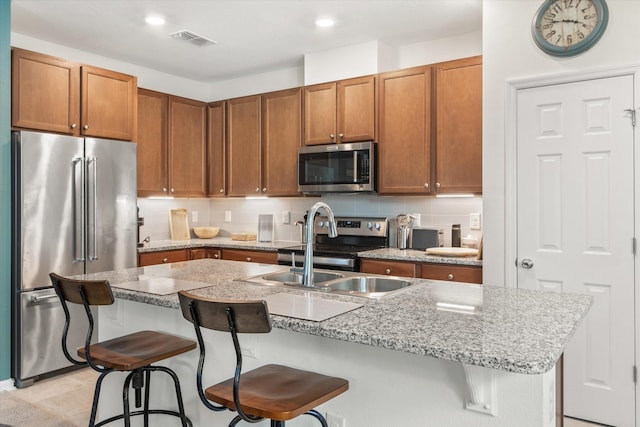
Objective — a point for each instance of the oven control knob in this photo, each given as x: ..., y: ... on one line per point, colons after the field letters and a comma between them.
x: 378, y: 226
x: 370, y: 226
x: 321, y: 224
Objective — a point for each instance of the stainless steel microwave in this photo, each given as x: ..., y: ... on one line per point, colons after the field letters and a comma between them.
x: 337, y: 168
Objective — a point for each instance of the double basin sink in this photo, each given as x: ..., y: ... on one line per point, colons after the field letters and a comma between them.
x: 345, y: 283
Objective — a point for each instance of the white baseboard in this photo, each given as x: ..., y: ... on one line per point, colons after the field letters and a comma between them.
x: 7, y: 385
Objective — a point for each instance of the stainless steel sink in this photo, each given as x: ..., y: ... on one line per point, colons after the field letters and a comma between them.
x: 346, y: 283
x: 369, y: 286
x: 295, y: 277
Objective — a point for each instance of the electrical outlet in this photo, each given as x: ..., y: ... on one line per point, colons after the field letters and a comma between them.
x: 286, y: 217
x: 474, y: 221
x: 335, y: 421
x: 416, y: 219
x: 227, y: 216
x: 194, y: 216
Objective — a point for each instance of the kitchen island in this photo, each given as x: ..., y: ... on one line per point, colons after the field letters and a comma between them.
x: 434, y: 354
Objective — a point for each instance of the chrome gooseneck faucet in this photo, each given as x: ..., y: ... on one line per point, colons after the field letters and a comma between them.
x: 307, y: 271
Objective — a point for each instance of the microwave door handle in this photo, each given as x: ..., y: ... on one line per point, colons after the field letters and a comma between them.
x: 355, y: 166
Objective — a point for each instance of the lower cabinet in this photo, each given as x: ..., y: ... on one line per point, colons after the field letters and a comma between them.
x: 250, y: 256
x: 205, y: 253
x: 450, y: 272
x: 163, y: 257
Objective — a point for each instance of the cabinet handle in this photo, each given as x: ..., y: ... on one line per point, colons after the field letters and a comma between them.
x: 73, y: 126
x: 222, y: 190
x: 437, y: 185
x: 450, y: 276
x: 388, y: 271
x: 85, y: 127
x: 165, y: 259
x: 248, y: 259
x: 426, y: 185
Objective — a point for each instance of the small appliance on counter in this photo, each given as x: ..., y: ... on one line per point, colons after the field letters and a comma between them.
x: 455, y: 236
x: 140, y: 224
x: 425, y: 237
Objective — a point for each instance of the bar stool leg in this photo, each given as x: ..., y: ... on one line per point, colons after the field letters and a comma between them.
x: 147, y: 387
x: 317, y: 415
x: 96, y: 398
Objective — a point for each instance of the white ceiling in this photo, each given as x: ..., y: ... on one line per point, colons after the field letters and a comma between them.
x: 252, y: 36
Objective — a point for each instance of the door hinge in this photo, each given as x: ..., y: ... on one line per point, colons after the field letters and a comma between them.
x: 634, y: 245
x: 632, y: 112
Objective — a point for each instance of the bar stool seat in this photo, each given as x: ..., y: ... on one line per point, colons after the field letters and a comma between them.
x: 134, y: 353
x: 275, y: 392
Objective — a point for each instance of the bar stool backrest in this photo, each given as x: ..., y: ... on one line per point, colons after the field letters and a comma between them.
x: 97, y: 292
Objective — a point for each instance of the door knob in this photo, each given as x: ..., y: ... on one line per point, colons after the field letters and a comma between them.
x: 527, y: 263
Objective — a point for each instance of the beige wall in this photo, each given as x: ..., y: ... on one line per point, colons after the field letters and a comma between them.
x: 510, y: 53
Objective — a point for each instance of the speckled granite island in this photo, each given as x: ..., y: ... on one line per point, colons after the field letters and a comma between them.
x: 434, y: 354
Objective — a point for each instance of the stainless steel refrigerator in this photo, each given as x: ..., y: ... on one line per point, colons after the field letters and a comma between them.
x: 73, y: 212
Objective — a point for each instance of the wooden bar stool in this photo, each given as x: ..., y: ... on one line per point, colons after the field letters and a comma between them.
x: 273, y: 392
x: 134, y: 352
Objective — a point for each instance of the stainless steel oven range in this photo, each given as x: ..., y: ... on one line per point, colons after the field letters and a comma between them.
x: 355, y: 234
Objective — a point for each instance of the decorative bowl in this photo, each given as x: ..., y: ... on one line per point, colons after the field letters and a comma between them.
x: 206, y: 232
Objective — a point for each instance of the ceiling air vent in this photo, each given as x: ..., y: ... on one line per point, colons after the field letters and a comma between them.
x: 193, y: 38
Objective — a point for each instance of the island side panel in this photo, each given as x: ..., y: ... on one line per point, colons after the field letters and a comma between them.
x: 387, y: 388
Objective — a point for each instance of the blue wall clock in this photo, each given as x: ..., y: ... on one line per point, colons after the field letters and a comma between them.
x: 569, y: 27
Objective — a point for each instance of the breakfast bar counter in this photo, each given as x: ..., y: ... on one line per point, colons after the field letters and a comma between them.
x: 435, y: 353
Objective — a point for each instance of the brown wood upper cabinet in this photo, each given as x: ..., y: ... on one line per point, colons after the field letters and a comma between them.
x: 216, y: 151
x: 263, y: 136
x: 51, y: 94
x: 404, y: 140
x: 342, y: 111
x: 171, y: 145
x: 459, y: 126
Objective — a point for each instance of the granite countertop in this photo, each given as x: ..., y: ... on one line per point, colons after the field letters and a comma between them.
x: 219, y: 242
x: 416, y: 255
x: 514, y: 330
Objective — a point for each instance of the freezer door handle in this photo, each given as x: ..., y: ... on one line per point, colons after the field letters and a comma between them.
x: 38, y: 298
x: 93, y: 256
x: 78, y: 209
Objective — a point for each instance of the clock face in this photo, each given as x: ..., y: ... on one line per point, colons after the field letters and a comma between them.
x: 568, y: 27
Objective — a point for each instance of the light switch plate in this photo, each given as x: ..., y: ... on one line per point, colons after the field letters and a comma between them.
x: 475, y: 221
x: 286, y: 217
x: 227, y: 216
x: 194, y: 216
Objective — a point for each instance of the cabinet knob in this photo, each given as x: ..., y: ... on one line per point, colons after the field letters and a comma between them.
x: 388, y: 271
x: 264, y: 190
x: 172, y: 190
x: 216, y: 256
x: 85, y: 127
x: 341, y: 135
x: 248, y: 259
x: 426, y: 185
x: 73, y: 125
x: 165, y: 259
x: 450, y: 276
x: 164, y: 189
x: 437, y: 185
x: 257, y: 189
x: 222, y: 190
x: 332, y: 136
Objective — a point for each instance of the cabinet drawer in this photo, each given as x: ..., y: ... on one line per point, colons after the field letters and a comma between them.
x: 249, y: 256
x: 162, y: 257
x: 205, y: 253
x: 456, y: 273
x: 390, y: 268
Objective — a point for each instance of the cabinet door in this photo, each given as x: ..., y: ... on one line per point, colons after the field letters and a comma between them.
x: 162, y: 257
x: 356, y: 109
x: 243, y: 146
x: 205, y: 253
x: 389, y: 268
x: 281, y: 136
x: 249, y: 256
x: 467, y: 274
x: 109, y: 104
x: 216, y: 149
x: 320, y: 114
x: 404, y: 145
x: 152, y: 143
x: 459, y: 126
x: 45, y: 93
x: 187, y: 147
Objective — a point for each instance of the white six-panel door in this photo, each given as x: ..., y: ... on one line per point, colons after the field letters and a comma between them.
x: 575, y: 221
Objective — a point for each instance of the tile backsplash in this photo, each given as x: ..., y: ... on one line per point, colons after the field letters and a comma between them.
x: 434, y: 212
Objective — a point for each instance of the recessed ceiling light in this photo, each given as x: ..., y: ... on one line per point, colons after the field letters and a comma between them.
x: 154, y: 20
x: 325, y: 22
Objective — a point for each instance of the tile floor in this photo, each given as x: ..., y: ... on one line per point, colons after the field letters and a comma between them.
x: 69, y: 396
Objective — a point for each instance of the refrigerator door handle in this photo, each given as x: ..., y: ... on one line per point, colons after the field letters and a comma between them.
x: 78, y: 220
x: 38, y: 298
x: 94, y: 255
